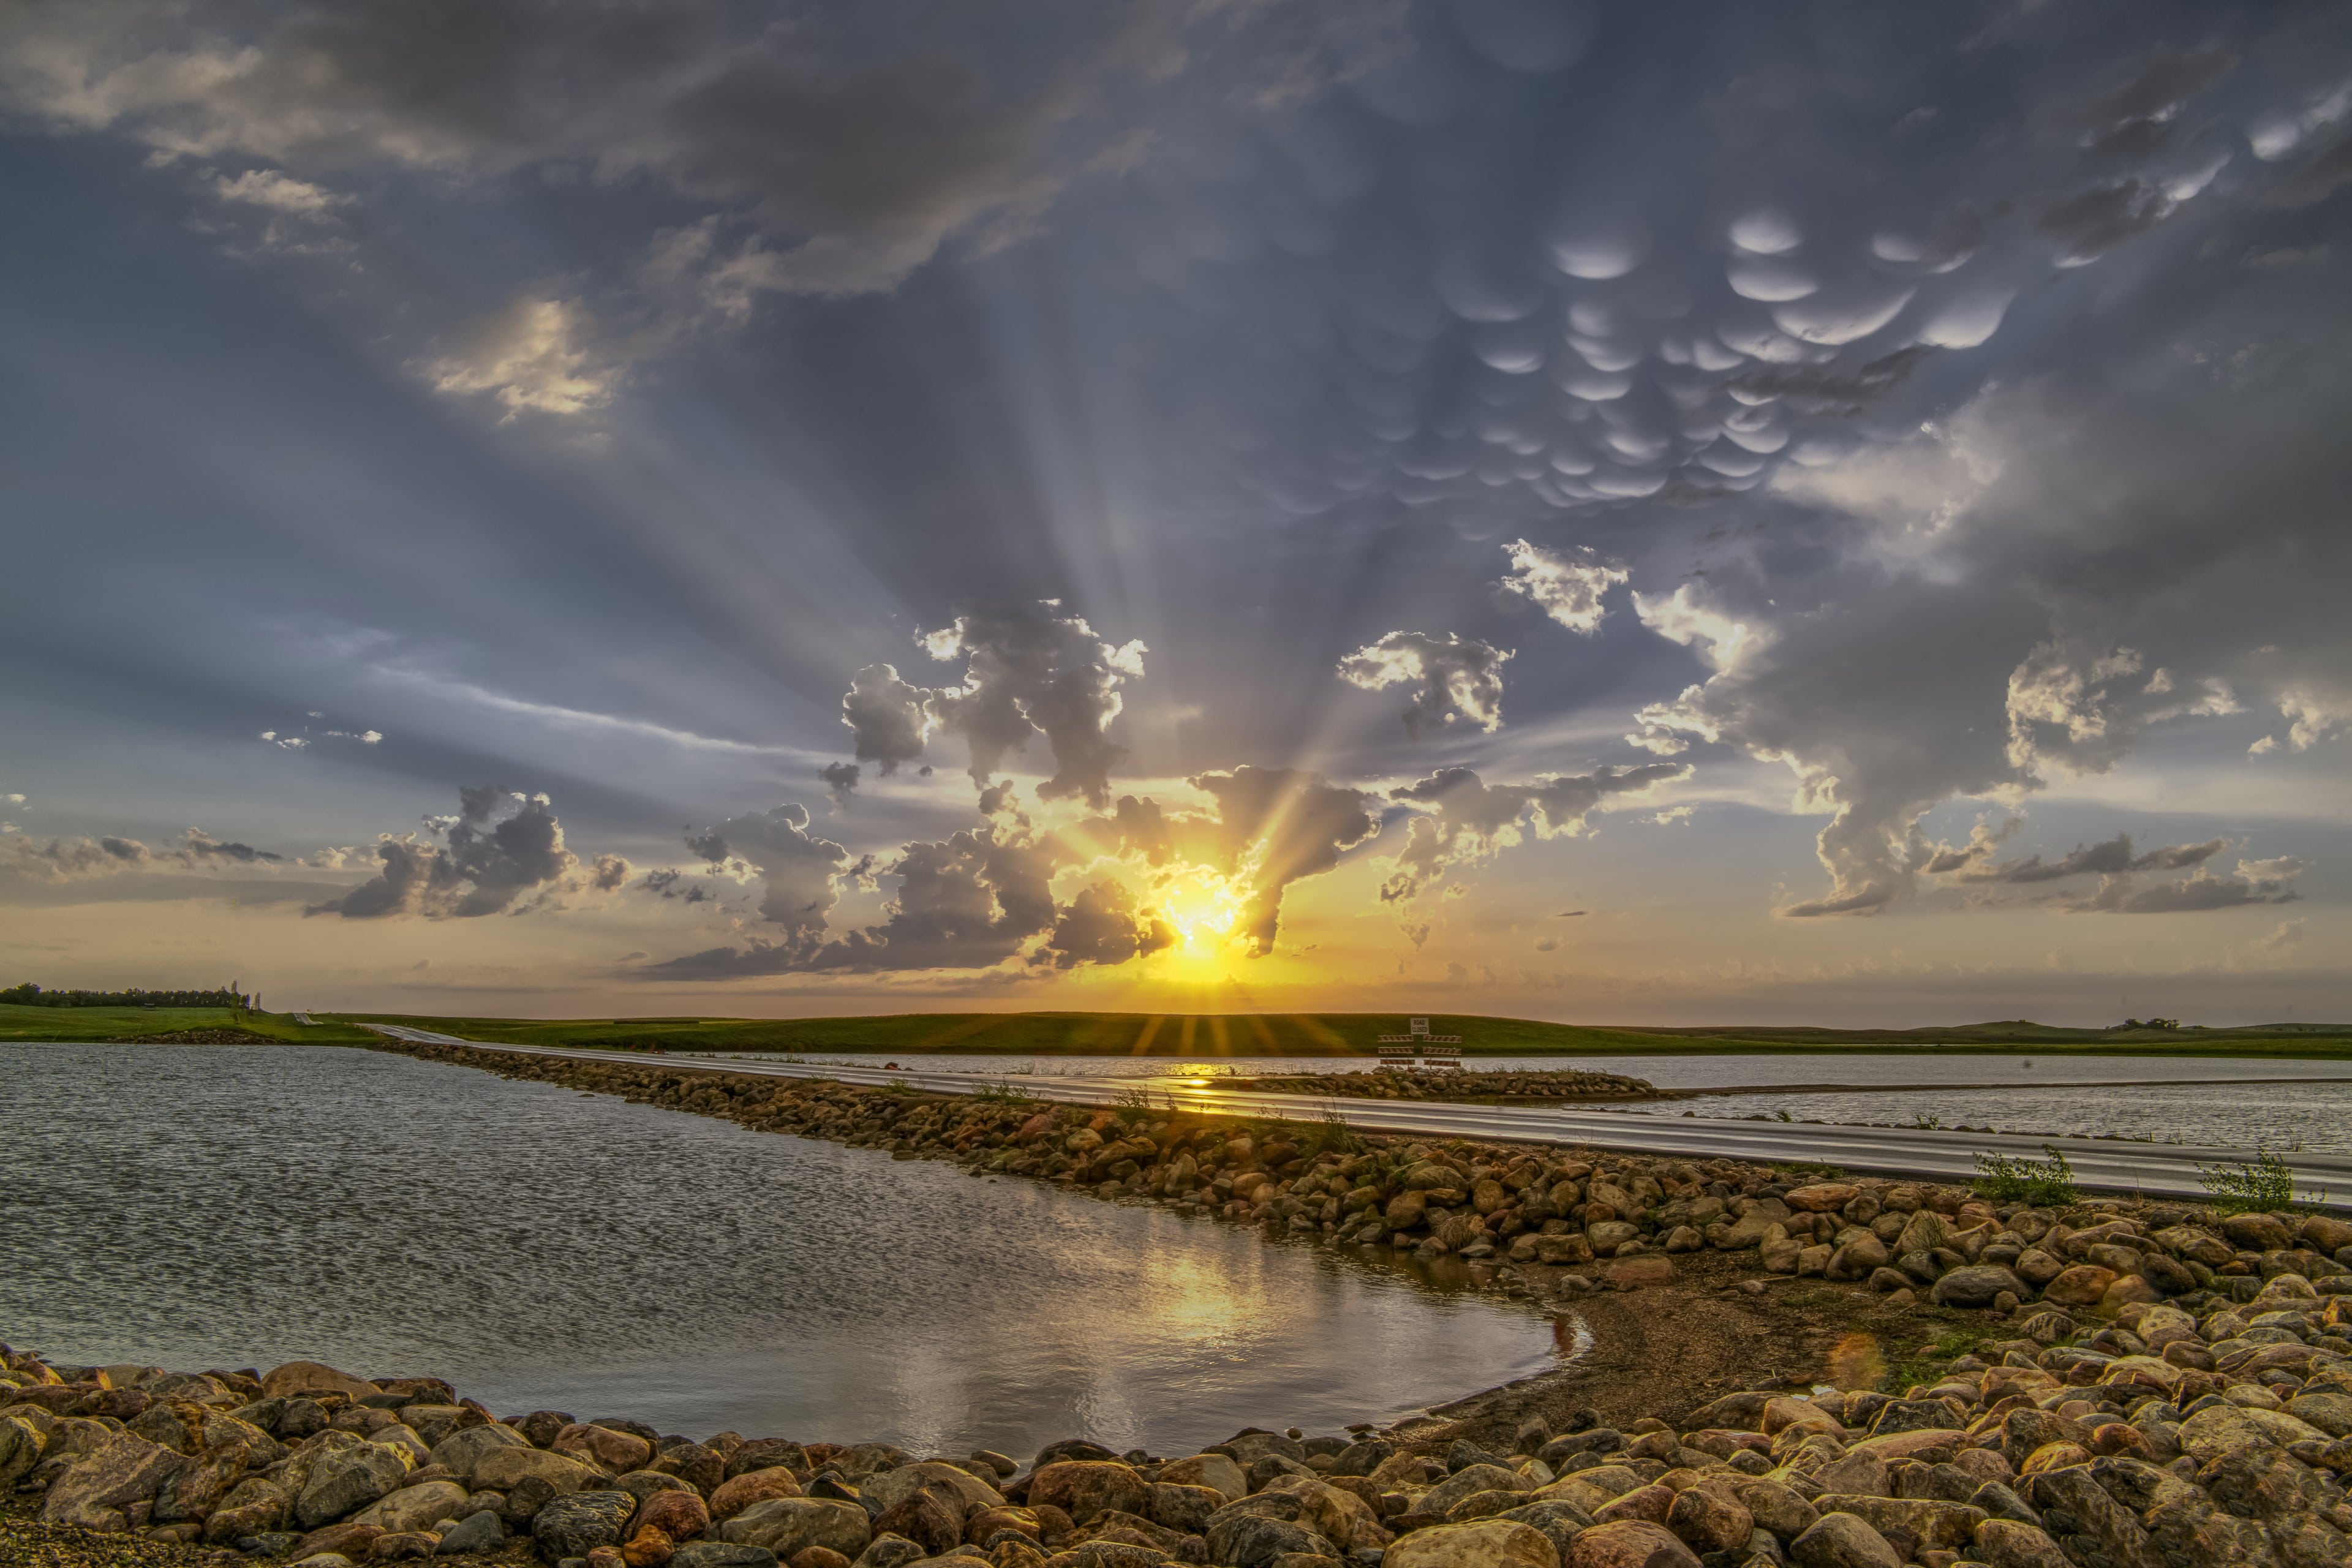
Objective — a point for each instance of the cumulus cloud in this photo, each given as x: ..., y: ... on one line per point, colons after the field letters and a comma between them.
x: 1029, y: 671
x: 532, y: 354
x: 840, y: 779
x: 499, y: 849
x: 967, y: 902
x: 1276, y: 825
x: 1460, y: 817
x: 277, y: 192
x: 798, y: 870
x: 70, y: 859
x: 1449, y: 677
x: 1568, y: 585
x: 1103, y: 925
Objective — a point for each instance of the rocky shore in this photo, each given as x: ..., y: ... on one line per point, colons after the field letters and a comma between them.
x: 1501, y: 1085
x: 2122, y: 1386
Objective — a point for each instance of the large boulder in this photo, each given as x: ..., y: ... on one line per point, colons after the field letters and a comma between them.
x: 346, y: 1480
x: 1466, y: 1482
x: 1629, y: 1543
x: 1709, y: 1518
x: 255, y: 1506
x: 1246, y: 1539
x: 2007, y: 1544
x: 891, y: 1486
x: 21, y: 1447
x: 1482, y: 1543
x: 462, y: 1451
x: 298, y: 1377
x: 1217, y: 1471
x: 785, y: 1525
x: 98, y: 1491
x: 1085, y: 1487
x: 731, y: 1497
x: 1976, y: 1285
x: 2081, y: 1286
x: 603, y: 1447
x: 502, y: 1469
x: 418, y: 1506
x: 576, y: 1524
x: 2223, y: 1429
x: 1842, y: 1541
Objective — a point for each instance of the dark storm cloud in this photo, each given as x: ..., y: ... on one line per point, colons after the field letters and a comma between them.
x: 840, y: 779
x: 486, y: 863
x: 2203, y: 893
x: 2112, y: 858
x: 1102, y: 925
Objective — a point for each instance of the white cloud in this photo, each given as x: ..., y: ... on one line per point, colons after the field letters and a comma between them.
x: 1569, y: 586
x: 1680, y: 617
x: 1451, y: 677
x: 535, y: 354
x: 279, y: 191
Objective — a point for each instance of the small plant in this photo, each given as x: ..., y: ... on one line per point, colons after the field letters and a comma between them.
x: 1003, y: 1092
x: 1784, y: 1116
x: 2012, y: 1179
x: 2263, y: 1184
x: 1927, y: 1122
x: 1131, y: 1105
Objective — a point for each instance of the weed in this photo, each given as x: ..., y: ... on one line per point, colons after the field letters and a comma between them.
x: 2011, y: 1178
x: 2263, y: 1184
x: 1132, y: 1105
x: 1784, y: 1116
x: 1927, y: 1122
x: 1931, y: 1357
x: 1004, y: 1092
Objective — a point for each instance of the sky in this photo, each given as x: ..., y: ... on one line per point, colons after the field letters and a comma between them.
x: 1825, y: 512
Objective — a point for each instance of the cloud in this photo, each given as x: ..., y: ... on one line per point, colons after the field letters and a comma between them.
x: 1569, y: 586
x: 2112, y: 856
x: 1279, y: 825
x: 798, y: 870
x: 840, y: 779
x: 967, y: 902
x: 501, y: 847
x: 1451, y: 677
x: 1680, y: 617
x: 1102, y: 925
x: 70, y: 860
x: 1460, y: 817
x: 532, y: 354
x: 279, y: 191
x: 2256, y: 882
x: 2284, y: 935
x: 1027, y: 672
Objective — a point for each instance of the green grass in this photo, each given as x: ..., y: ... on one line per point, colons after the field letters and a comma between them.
x: 1345, y: 1034
x: 73, y: 1025
x: 1927, y: 1360
x: 2044, y: 1184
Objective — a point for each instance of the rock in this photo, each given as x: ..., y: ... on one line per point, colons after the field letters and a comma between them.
x: 400, y: 1546
x: 192, y: 1495
x: 680, y: 1514
x: 1976, y: 1286
x: 1217, y: 1471
x: 1649, y: 1504
x: 825, y: 1557
x: 540, y: 1426
x: 1082, y: 1489
x: 1467, y: 1481
x: 1822, y: 1197
x: 2088, y: 1525
x: 1487, y: 1543
x: 1184, y: 1508
x: 890, y: 1487
x: 615, y: 1451
x: 2329, y: 1411
x: 1776, y: 1508
x: 1628, y: 1544
x: 2080, y: 1286
x: 1910, y: 1524
x: 1860, y: 1258
x: 96, y: 1490
x: 1842, y: 1541
x: 1248, y: 1540
x: 2223, y: 1429
x: 1707, y: 1520
x: 1561, y: 1522
x: 482, y: 1532
x: 299, y: 1377
x: 731, y: 1497
x: 253, y: 1506
x: 888, y: 1551
x: 784, y: 1525
x: 505, y: 1469
x: 346, y: 1480
x: 2256, y: 1232
x: 931, y: 1517
x: 2005, y: 1543
x: 21, y: 1444
x: 578, y: 1523
x: 415, y: 1507
x: 345, y: 1540
x: 721, y: 1554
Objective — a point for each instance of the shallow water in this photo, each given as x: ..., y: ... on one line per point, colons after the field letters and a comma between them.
x: 541, y: 1247
x: 2315, y: 1118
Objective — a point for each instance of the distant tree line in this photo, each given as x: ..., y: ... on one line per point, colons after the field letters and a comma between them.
x: 30, y: 995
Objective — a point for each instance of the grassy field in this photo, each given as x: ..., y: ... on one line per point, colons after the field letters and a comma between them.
x: 72, y: 1024
x: 1144, y: 1034
x: 1341, y: 1034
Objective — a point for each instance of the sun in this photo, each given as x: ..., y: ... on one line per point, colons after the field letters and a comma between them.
x: 1204, y: 910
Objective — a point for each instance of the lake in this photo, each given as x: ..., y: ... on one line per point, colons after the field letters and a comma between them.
x: 194, y: 1206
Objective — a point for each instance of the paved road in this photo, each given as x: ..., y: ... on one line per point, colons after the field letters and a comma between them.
x: 2155, y: 1169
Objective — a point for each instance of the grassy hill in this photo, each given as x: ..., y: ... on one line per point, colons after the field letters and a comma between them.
x: 1341, y: 1034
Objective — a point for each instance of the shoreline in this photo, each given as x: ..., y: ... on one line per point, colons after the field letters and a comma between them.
x: 1735, y: 1362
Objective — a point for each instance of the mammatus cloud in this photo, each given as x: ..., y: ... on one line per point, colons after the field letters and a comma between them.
x: 499, y: 847
x: 1459, y: 817
x: 1568, y: 585
x: 68, y: 859
x: 1028, y: 672
x: 1448, y: 676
